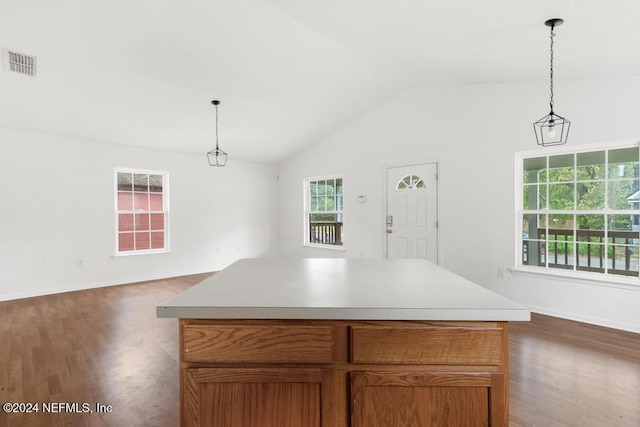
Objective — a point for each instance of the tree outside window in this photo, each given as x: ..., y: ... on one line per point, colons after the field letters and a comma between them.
x: 580, y: 211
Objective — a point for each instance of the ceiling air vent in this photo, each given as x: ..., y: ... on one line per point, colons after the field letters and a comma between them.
x: 19, y: 62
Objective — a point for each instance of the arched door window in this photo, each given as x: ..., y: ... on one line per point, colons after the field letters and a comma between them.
x: 410, y: 182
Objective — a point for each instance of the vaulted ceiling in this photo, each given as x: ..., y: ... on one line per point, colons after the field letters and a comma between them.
x: 287, y: 72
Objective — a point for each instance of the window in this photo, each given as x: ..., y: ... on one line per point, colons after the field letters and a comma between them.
x: 323, y: 212
x: 410, y: 182
x: 579, y: 211
x: 141, y: 211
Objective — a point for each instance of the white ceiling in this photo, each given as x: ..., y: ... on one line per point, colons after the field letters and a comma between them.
x: 287, y: 72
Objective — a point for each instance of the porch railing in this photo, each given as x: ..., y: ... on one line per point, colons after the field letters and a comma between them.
x: 562, y: 252
x: 325, y: 233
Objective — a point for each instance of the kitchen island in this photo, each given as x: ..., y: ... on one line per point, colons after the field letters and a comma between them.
x: 342, y: 342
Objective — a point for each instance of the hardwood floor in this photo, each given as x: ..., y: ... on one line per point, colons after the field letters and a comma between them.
x: 102, y: 345
x: 565, y: 373
x: 106, y: 346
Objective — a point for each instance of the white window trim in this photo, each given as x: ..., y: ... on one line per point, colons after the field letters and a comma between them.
x: 584, y: 277
x: 328, y: 247
x: 165, y: 195
x: 305, y: 198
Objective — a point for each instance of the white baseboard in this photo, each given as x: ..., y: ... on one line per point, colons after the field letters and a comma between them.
x: 587, y: 319
x: 42, y: 292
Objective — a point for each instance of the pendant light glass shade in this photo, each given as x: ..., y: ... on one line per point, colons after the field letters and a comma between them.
x: 552, y: 129
x: 217, y: 157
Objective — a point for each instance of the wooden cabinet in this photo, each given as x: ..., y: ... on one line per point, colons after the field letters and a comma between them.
x: 343, y: 373
x: 426, y: 399
x: 252, y: 397
x: 258, y: 343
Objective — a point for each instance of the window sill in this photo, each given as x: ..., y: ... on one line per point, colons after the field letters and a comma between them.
x: 328, y: 247
x: 597, y: 279
x: 133, y: 254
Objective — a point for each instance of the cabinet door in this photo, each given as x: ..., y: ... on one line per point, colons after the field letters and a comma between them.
x: 422, y: 399
x: 252, y: 397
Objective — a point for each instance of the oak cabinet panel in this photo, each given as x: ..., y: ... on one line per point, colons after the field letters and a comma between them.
x: 475, y: 345
x: 258, y: 343
x: 250, y: 397
x: 426, y: 399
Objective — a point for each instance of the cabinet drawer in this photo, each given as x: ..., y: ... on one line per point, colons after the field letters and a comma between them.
x: 258, y: 344
x: 427, y: 345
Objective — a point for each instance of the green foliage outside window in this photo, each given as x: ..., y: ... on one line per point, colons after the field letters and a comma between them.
x: 598, y: 191
x: 325, y: 196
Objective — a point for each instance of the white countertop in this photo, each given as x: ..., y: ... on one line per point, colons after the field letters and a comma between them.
x: 348, y: 289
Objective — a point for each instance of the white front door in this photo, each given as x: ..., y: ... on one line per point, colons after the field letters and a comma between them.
x: 412, y: 212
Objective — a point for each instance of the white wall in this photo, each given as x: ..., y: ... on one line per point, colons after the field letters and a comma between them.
x: 57, y: 204
x: 473, y: 131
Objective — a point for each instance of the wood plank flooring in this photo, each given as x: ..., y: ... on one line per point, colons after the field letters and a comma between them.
x: 565, y: 373
x: 106, y: 346
x: 101, y: 345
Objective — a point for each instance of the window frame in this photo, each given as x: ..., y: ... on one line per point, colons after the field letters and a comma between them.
x: 307, y: 212
x: 411, y: 182
x: 164, y: 211
x: 573, y: 274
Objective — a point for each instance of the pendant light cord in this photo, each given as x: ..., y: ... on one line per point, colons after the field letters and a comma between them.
x: 551, y: 129
x: 216, y: 105
x: 551, y: 71
x: 217, y: 157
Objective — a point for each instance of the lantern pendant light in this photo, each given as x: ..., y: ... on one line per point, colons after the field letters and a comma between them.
x: 552, y: 129
x: 217, y: 157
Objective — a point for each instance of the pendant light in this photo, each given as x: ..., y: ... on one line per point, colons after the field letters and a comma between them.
x: 217, y: 157
x: 552, y: 129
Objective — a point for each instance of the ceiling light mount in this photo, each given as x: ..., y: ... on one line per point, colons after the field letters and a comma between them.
x: 552, y: 129
x: 217, y: 157
x: 555, y: 22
